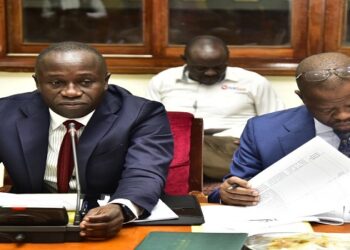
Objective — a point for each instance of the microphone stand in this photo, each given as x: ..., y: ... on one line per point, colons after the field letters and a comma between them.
x: 72, y: 132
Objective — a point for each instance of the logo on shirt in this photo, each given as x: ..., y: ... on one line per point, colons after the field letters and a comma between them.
x: 227, y: 86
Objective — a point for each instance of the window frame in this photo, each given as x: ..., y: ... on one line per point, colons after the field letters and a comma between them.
x: 310, y: 19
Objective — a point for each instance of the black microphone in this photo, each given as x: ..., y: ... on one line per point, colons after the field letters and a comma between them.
x: 72, y: 132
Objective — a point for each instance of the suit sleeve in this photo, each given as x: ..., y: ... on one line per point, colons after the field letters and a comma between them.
x: 246, y: 160
x: 148, y: 157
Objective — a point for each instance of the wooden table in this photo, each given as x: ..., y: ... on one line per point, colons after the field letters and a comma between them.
x: 129, y: 237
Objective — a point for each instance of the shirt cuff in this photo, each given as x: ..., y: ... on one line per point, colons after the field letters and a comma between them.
x: 137, y: 211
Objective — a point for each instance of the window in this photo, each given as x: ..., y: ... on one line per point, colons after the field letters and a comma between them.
x: 146, y: 36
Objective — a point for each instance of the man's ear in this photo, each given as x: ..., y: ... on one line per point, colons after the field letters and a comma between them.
x: 299, y: 94
x: 36, y: 81
x: 108, y: 75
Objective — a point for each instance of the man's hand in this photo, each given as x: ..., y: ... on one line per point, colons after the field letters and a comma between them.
x: 103, y: 222
x: 236, y: 191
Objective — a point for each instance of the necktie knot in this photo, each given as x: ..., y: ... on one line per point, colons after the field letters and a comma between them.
x: 77, y: 125
x: 344, y: 145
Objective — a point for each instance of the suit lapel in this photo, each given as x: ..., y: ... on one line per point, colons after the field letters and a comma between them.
x: 300, y: 129
x: 99, y: 124
x: 33, y: 133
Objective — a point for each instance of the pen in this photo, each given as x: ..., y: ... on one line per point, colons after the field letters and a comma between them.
x: 233, y: 186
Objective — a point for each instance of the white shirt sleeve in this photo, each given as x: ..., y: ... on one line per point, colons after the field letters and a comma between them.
x: 154, y: 88
x: 266, y: 99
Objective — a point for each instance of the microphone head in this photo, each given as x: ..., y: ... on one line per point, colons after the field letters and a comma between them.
x: 71, y: 127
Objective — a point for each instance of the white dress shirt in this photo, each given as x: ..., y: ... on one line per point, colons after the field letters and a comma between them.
x: 327, y: 134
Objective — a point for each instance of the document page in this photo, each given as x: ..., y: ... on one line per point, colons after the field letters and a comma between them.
x: 309, y: 184
x: 233, y: 219
x: 311, y: 180
x: 161, y: 211
x: 39, y: 200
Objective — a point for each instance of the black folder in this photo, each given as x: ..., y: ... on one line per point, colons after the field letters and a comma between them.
x: 186, y: 207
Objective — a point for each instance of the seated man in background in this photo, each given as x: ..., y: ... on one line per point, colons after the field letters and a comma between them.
x: 324, y: 87
x: 225, y: 97
x: 125, y: 143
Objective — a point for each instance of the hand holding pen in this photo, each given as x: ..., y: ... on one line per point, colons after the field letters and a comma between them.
x: 237, y: 191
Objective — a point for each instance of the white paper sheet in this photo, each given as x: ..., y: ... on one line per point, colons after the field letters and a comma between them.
x: 225, y: 219
x: 310, y: 184
x: 160, y: 212
x: 38, y: 200
x: 313, y: 179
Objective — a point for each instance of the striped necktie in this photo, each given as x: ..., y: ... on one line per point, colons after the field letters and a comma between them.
x: 344, y: 145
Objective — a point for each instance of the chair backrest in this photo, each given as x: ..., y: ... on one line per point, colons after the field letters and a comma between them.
x: 186, y: 169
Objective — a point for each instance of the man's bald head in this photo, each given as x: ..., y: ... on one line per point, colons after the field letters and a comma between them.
x: 206, y: 59
x: 324, y: 88
x: 206, y: 47
x: 323, y: 61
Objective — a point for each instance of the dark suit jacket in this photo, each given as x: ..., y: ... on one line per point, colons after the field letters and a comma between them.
x: 124, y: 151
x: 268, y: 138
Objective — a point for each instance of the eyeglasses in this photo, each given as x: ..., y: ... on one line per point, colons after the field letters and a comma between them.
x: 324, y: 74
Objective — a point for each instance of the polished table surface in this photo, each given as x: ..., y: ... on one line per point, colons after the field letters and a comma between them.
x: 129, y: 237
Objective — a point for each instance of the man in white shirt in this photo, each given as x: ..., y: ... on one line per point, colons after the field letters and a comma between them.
x: 225, y: 97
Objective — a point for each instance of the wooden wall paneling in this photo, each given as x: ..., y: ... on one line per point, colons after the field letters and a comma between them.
x: 3, y: 45
x: 334, y: 24
x: 316, y: 22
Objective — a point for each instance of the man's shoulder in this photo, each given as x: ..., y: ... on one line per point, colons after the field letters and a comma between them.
x: 240, y: 74
x: 126, y: 97
x: 19, y: 98
x: 170, y: 72
x: 9, y: 104
x: 286, y: 114
x: 243, y: 71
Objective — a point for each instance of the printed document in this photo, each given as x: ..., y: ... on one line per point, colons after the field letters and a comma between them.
x: 309, y: 184
x: 312, y: 179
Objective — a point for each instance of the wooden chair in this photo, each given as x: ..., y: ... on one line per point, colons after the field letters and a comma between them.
x: 188, y: 146
x: 7, y: 183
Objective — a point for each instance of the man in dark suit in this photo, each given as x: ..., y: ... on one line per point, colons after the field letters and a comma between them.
x: 125, y: 144
x: 324, y: 87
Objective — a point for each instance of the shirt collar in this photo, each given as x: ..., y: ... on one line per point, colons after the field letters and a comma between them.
x: 321, y: 128
x: 56, y: 120
x: 185, y: 78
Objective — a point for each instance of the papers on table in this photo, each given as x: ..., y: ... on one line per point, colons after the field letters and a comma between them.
x: 38, y: 200
x: 309, y: 184
x: 160, y: 212
x: 225, y: 219
x: 311, y: 180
